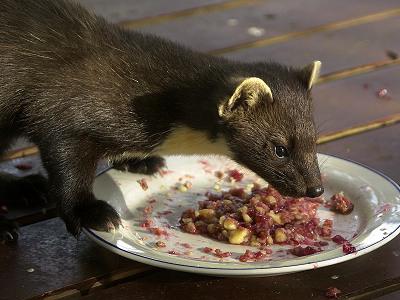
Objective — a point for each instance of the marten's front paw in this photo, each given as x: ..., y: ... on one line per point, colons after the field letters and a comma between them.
x: 8, y: 230
x: 148, y: 166
x: 95, y: 214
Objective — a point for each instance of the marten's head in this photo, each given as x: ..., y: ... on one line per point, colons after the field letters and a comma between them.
x: 269, y: 126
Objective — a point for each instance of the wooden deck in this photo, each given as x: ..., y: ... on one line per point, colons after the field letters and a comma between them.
x: 355, y: 39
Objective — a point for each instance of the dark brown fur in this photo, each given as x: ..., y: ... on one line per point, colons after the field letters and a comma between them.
x: 83, y: 89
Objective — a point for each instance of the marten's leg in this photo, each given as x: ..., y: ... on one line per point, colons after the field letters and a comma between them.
x: 149, y: 165
x: 71, y: 168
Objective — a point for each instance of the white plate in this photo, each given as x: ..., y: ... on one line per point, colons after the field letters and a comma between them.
x: 374, y: 221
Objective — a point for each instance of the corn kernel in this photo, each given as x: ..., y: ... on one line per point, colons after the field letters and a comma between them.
x: 246, y: 218
x: 243, y: 209
x: 280, y: 235
x: 207, y: 213
x: 270, y: 240
x: 255, y: 244
x: 230, y: 224
x: 260, y: 210
x: 196, y: 213
x: 182, y: 188
x: 222, y: 219
x: 238, y: 236
x: 249, y: 187
x: 271, y: 200
x: 217, y: 187
x: 275, y: 217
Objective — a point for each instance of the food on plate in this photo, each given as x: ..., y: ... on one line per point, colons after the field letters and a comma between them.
x: 259, y: 218
x: 341, y: 204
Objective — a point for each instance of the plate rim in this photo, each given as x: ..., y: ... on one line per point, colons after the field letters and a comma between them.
x: 193, y: 268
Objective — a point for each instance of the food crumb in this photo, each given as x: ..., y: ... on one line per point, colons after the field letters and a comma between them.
x: 182, y: 188
x: 146, y: 223
x: 256, y: 31
x: 254, y: 256
x: 160, y: 244
x: 219, y: 174
x: 391, y: 54
x: 158, y: 231
x: 236, y: 175
x: 341, y: 204
x: 186, y: 245
x: 348, y: 248
x: 383, y: 94
x: 23, y: 166
x: 30, y: 270
x: 148, y: 210
x: 304, y: 251
x: 143, y: 184
x: 216, y: 252
x: 208, y: 250
x: 332, y: 292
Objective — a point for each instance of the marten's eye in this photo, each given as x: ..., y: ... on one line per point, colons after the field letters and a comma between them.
x: 281, y: 151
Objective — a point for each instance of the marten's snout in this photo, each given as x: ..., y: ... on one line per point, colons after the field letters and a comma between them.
x: 315, y: 191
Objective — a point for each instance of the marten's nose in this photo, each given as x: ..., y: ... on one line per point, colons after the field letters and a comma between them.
x: 315, y: 191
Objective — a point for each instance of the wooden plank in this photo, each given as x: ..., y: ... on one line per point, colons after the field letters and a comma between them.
x: 391, y: 287
x: 334, y: 26
x: 47, y: 261
x: 390, y: 296
x: 351, y: 276
x: 375, y: 124
x: 342, y: 104
x: 222, y: 32
x: 190, y: 12
x: 379, y: 149
x: 337, y: 50
x: 122, y: 10
x: 358, y: 70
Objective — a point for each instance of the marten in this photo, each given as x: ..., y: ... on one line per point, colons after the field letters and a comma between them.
x: 83, y: 89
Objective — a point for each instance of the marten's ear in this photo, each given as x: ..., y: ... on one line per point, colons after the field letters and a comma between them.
x: 247, y: 94
x: 310, y: 73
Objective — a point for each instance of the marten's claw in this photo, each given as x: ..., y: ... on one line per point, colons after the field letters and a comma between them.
x: 149, y: 166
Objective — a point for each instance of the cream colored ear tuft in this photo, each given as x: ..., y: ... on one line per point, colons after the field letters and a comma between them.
x: 313, y: 70
x: 252, y: 89
x: 248, y: 93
